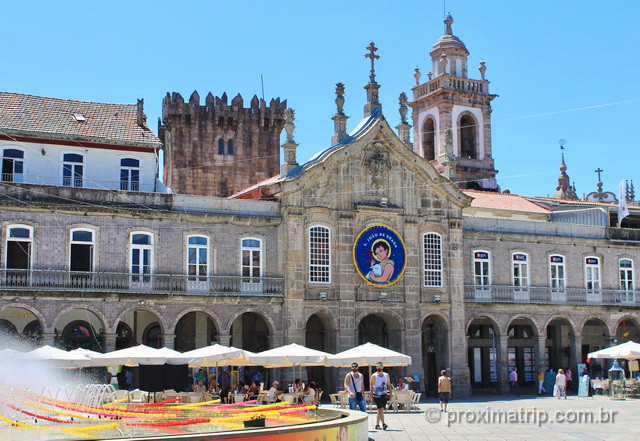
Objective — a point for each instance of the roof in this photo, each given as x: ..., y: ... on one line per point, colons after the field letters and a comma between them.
x: 555, y: 201
x: 53, y: 118
x: 503, y: 201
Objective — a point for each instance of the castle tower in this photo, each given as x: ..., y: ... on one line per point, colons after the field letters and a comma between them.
x: 450, y: 99
x: 219, y: 149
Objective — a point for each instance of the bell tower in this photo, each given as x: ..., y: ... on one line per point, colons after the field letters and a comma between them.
x: 450, y: 102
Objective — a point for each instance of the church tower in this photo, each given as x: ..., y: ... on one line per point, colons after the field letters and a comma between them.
x: 449, y: 100
x: 220, y: 148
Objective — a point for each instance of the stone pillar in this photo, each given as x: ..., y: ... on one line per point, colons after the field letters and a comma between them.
x: 503, y: 364
x: 48, y: 338
x: 224, y: 339
x: 542, y: 343
x: 110, y: 341
x: 169, y: 340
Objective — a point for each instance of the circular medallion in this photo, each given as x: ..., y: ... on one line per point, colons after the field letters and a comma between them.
x: 379, y: 255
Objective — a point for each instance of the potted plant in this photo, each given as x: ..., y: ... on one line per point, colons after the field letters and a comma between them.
x: 256, y: 420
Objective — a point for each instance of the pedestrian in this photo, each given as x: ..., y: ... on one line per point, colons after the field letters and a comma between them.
x: 514, y: 387
x: 567, y: 374
x: 561, y: 384
x: 381, y: 393
x: 354, y: 386
x: 541, y: 389
x: 450, y: 375
x: 444, y: 390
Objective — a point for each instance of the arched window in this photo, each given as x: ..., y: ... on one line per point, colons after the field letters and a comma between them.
x: 230, y: 147
x: 72, y: 169
x: 429, y: 139
x: 129, y: 174
x: 81, y: 250
x: 520, y: 270
x: 198, y: 258
x: 468, y: 137
x: 12, y: 165
x: 557, y: 273
x: 221, y: 146
x: 319, y: 254
x: 626, y: 275
x: 141, y: 257
x: 19, y: 247
x: 432, y: 251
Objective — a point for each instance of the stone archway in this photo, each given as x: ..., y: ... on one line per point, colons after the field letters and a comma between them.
x: 140, y: 325
x: 320, y: 335
x: 79, y: 327
x: 195, y: 329
x: 559, y: 344
x: 484, y: 338
x: 435, y: 350
x: 522, y: 341
x: 19, y: 324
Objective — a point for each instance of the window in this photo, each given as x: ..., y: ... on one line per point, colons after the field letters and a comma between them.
x: 12, y: 165
x: 556, y: 273
x: 626, y: 274
x: 481, y: 268
x: 520, y: 267
x: 251, y: 255
x: 19, y: 247
x: 141, y: 256
x: 468, y: 142
x: 230, y: 147
x: 221, y: 146
x: 319, y: 255
x: 429, y: 139
x: 81, y: 250
x: 129, y: 174
x: 592, y: 274
x: 197, y: 258
x: 72, y: 170
x: 432, y: 249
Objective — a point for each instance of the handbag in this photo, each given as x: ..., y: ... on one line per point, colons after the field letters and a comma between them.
x: 358, y: 394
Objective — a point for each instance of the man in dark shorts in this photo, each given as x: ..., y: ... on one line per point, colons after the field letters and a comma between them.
x: 381, y: 392
x: 444, y: 390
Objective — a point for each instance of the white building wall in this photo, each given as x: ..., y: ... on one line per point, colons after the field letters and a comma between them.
x: 43, y: 164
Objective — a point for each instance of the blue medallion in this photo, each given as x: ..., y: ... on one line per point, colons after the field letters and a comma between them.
x: 379, y: 255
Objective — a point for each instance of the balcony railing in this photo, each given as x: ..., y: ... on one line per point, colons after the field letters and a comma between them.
x: 51, y: 280
x: 451, y: 83
x: 83, y: 182
x: 546, y: 295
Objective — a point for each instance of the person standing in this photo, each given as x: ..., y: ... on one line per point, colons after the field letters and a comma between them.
x: 444, y: 390
x: 541, y: 389
x: 561, y: 384
x: 568, y: 375
x: 381, y: 393
x: 353, y: 385
x: 514, y: 387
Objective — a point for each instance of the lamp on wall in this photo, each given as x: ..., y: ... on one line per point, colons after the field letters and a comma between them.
x: 382, y: 296
x: 322, y: 296
x: 436, y: 298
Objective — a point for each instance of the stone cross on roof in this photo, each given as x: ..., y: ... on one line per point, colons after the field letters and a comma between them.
x: 598, y: 171
x: 372, y: 55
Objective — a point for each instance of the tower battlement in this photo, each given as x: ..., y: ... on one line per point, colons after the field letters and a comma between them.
x: 221, y: 147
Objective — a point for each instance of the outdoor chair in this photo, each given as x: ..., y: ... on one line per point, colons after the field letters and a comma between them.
x: 415, y: 400
x: 335, y: 399
x: 138, y: 396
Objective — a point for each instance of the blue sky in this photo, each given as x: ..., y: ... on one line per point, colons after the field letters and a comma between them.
x: 561, y: 69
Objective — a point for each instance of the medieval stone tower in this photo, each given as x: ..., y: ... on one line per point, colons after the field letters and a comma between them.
x: 452, y: 116
x: 219, y: 149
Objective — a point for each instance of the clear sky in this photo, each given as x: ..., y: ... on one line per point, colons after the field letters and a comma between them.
x: 562, y: 69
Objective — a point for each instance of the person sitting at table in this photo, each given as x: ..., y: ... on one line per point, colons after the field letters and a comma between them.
x: 401, y: 385
x: 275, y: 395
x: 200, y: 387
x: 296, y: 386
x: 254, y: 390
x: 214, y: 389
x: 308, y: 394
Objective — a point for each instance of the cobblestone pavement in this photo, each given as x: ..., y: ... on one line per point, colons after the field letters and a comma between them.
x: 527, y: 418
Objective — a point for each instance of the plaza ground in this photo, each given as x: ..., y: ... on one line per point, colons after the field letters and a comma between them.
x: 483, y: 418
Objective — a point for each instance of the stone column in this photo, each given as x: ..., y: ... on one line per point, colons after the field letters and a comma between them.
x: 110, y: 341
x: 169, y: 340
x: 48, y: 338
x: 224, y: 339
x: 503, y: 364
x: 542, y: 343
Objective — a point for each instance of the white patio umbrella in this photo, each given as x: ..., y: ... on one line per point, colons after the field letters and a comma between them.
x: 628, y: 350
x: 290, y: 355
x: 368, y: 354
x: 58, y: 357
x: 215, y: 355
x: 137, y: 355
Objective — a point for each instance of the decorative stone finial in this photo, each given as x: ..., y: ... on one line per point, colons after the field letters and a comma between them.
x: 339, y: 119
x: 404, y: 127
x: 290, y: 146
x: 340, y: 99
x: 289, y: 127
x: 403, y: 101
x: 372, y: 56
x: 417, y: 75
x: 448, y: 21
x: 372, y: 87
x: 450, y: 160
x: 442, y: 65
x: 482, y: 69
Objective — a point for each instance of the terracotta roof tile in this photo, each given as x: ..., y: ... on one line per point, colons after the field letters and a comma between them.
x: 52, y: 118
x: 503, y: 201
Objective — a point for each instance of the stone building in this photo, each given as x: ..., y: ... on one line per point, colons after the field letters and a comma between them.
x: 367, y: 241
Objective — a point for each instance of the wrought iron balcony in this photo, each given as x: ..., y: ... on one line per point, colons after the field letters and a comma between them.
x: 52, y: 280
x: 546, y: 295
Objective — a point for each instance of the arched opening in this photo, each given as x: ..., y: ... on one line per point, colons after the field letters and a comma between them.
x: 7, y: 329
x: 251, y: 332
x: 483, y: 354
x: 435, y: 351
x: 382, y: 330
x: 152, y: 335
x: 318, y: 335
x: 429, y: 139
x: 18, y: 325
x: 595, y: 336
x: 33, y: 332
x: 521, y: 350
x: 468, y: 137
x: 558, y: 350
x: 80, y: 334
x: 195, y: 330
x: 124, y: 336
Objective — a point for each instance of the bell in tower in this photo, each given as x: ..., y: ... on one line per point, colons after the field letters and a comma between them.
x: 450, y: 100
